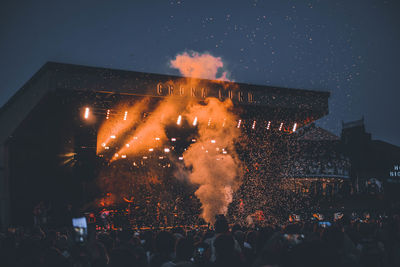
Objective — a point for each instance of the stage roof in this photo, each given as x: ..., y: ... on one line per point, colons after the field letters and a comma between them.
x: 307, y: 105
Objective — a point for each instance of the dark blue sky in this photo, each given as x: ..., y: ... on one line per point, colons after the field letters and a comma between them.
x: 347, y: 47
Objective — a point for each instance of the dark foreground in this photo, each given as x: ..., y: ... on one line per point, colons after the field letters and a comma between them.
x: 375, y: 242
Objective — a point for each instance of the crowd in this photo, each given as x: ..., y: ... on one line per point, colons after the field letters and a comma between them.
x: 343, y: 243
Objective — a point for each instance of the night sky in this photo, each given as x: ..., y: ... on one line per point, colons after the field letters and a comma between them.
x: 348, y: 47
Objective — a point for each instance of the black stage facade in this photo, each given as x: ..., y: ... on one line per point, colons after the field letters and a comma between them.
x: 50, y: 146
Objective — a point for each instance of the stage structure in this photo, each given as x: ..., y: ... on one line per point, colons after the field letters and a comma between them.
x: 317, y: 164
x: 49, y: 134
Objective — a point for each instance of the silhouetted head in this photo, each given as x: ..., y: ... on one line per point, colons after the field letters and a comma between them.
x: 164, y: 242
x: 224, y: 247
x: 221, y: 224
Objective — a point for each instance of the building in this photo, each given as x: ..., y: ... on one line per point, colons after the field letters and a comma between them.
x: 48, y: 150
x: 374, y: 163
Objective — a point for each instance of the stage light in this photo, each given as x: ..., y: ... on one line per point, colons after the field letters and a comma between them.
x: 108, y: 114
x: 179, y: 120
x: 127, y: 145
x: 144, y: 157
x: 173, y: 139
x: 224, y: 152
x: 239, y: 122
x: 158, y: 138
x: 125, y: 115
x: 123, y: 156
x: 107, y: 147
x: 135, y: 138
x: 166, y: 150
x: 116, y: 155
x: 193, y: 140
x: 280, y: 127
x: 112, y: 136
x: 151, y: 149
x: 87, y: 110
x: 209, y: 122
x: 213, y: 141
x: 160, y: 157
x: 269, y: 125
x: 254, y: 125
x: 103, y: 144
x: 223, y: 124
x: 195, y: 121
x: 180, y: 158
x: 294, y: 127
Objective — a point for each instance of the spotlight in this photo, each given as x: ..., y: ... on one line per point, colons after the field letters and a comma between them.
x: 195, y: 121
x: 239, y: 122
x: 158, y: 138
x: 254, y: 125
x: 127, y: 145
x: 213, y: 141
x: 223, y: 124
x: 125, y: 115
x: 294, y: 127
x: 123, y: 156
x: 269, y: 125
x: 173, y: 139
x: 209, y: 122
x: 112, y: 136
x: 280, y: 127
x: 166, y: 150
x: 87, y: 110
x: 180, y: 158
x: 179, y: 120
x: 151, y: 149
x: 108, y: 114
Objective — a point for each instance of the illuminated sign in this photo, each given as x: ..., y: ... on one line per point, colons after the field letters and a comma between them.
x: 169, y: 89
x: 395, y: 173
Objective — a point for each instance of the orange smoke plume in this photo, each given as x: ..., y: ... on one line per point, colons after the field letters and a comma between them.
x: 197, y: 65
x: 217, y: 174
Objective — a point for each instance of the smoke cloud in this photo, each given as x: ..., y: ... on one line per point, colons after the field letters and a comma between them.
x: 195, y: 65
x: 213, y: 162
